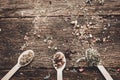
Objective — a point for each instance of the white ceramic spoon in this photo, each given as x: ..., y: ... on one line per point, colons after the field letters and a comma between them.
x: 59, y: 70
x: 104, y: 72
x: 18, y: 65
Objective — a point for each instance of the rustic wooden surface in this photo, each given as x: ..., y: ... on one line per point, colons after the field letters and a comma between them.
x: 20, y: 31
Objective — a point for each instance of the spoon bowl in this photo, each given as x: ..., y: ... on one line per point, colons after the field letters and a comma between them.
x: 25, y: 58
x: 60, y: 68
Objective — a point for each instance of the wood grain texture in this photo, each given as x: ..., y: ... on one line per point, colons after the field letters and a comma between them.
x: 40, y: 74
x: 14, y: 31
x: 28, y: 8
x: 20, y: 31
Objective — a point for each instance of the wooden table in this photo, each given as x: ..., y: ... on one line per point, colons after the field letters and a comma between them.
x: 45, y: 27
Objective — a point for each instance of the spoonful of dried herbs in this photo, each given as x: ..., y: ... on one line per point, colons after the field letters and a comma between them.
x: 24, y: 59
x: 93, y: 59
x: 59, y: 63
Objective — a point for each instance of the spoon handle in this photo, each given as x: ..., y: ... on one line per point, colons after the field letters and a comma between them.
x: 104, y: 72
x: 11, y: 72
x: 59, y: 75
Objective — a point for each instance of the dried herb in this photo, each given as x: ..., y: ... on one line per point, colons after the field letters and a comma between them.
x: 58, y: 60
x: 26, y: 58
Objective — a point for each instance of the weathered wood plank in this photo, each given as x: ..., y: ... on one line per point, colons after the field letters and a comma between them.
x: 11, y: 39
x: 28, y: 8
x: 46, y: 35
x: 40, y: 74
x: 13, y: 31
